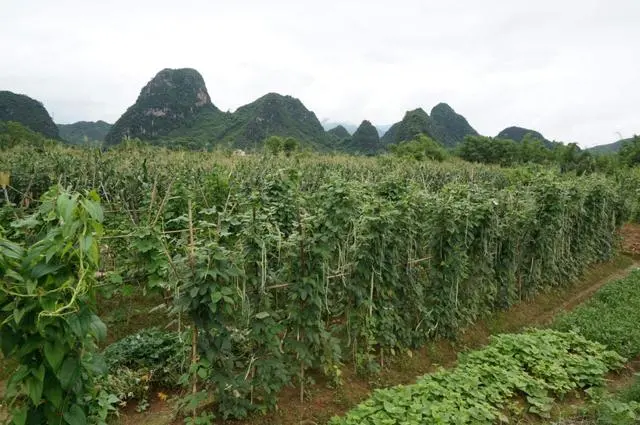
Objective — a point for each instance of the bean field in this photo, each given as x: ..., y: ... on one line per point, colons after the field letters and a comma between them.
x: 272, y: 272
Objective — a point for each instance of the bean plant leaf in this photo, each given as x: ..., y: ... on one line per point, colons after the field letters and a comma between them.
x: 54, y: 353
x: 75, y: 416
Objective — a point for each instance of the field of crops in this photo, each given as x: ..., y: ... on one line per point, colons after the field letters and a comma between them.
x: 278, y: 269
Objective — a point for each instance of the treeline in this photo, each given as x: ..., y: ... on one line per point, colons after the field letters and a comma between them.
x: 477, y: 149
x: 509, y: 153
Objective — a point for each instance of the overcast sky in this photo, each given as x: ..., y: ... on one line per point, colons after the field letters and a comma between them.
x: 568, y: 68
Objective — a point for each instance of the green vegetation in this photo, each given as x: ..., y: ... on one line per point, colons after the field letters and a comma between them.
x: 172, y: 99
x: 84, y: 132
x: 421, y: 148
x: 28, y: 112
x: 13, y: 133
x: 288, y: 267
x: 47, y: 320
x: 610, y: 148
x: 610, y: 317
x: 505, y: 152
x: 482, y: 388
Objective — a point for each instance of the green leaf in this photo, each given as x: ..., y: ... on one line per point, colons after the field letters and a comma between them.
x: 94, y: 209
x: 202, y: 373
x: 39, y: 373
x: 54, y: 353
x: 42, y: 269
x: 20, y: 416
x: 69, y: 372
x: 262, y: 315
x: 216, y: 297
x: 65, y: 205
x: 18, y: 314
x: 97, y: 328
x: 53, y: 392
x: 34, y: 389
x: 75, y: 416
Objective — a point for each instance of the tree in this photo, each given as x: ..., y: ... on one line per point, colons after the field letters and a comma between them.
x: 290, y: 145
x: 422, y: 147
x: 629, y: 153
x: 274, y: 145
x: 488, y: 150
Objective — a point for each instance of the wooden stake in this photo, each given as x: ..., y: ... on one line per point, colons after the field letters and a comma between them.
x: 194, y: 339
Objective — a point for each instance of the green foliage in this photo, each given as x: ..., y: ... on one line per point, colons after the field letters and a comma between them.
x: 632, y: 393
x: 572, y: 159
x: 84, y: 132
x: 290, y: 266
x: 160, y: 354
x: 538, y: 364
x: 274, y: 145
x: 13, y: 133
x: 28, y: 112
x: 610, y: 317
x: 290, y: 145
x: 47, y: 319
x: 629, y: 153
x: 422, y: 147
x: 609, y: 148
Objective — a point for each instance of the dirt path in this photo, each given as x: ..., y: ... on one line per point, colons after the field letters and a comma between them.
x: 586, y: 293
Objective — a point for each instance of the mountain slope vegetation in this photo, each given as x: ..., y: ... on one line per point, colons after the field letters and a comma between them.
x: 84, y: 131
x: 28, y: 112
x: 172, y: 99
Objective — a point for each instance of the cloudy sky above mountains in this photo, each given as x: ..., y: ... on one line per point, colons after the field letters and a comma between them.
x: 568, y: 68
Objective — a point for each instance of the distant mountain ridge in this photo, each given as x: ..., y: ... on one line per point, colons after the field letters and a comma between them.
x: 365, y: 140
x: 172, y: 99
x: 84, y: 131
x: 247, y: 128
x: 29, y: 112
x: 174, y: 109
x: 609, y: 147
x: 444, y: 126
x: 340, y: 132
x: 351, y: 128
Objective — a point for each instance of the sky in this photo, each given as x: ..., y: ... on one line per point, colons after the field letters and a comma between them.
x: 567, y: 68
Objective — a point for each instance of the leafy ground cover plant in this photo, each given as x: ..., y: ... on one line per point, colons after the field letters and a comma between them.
x: 539, y: 365
x: 161, y: 354
x: 611, y: 317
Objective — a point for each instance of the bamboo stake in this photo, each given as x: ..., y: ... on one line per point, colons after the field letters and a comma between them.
x: 194, y: 339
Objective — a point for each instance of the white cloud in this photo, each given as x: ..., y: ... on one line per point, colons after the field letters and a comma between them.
x: 566, y: 68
